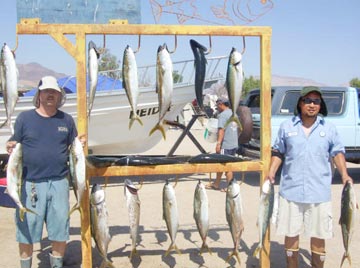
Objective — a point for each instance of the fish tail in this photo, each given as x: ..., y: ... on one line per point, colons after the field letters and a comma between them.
x: 3, y: 124
x: 25, y: 210
x: 234, y: 253
x: 158, y: 127
x: 132, y: 253
x: 171, y: 247
x: 106, y: 263
x: 235, y: 119
x: 205, y: 247
x: 133, y: 118
x: 257, y: 250
x: 346, y: 256
x: 75, y: 207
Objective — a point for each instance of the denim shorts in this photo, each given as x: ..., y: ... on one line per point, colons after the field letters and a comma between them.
x: 228, y: 151
x: 51, y: 206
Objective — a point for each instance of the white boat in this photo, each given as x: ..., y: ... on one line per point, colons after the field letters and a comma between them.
x: 108, y: 128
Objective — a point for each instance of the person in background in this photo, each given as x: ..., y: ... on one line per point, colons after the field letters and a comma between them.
x: 45, y: 134
x: 305, y: 145
x: 227, y: 139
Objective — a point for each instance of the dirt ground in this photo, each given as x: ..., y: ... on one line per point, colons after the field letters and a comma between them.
x: 153, y: 237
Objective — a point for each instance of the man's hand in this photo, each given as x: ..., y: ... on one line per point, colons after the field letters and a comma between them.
x: 10, y: 145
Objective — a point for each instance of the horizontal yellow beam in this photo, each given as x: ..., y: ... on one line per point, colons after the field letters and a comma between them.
x: 142, y: 29
x: 174, y: 169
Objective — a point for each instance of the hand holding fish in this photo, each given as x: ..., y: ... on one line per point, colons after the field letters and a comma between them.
x: 10, y: 145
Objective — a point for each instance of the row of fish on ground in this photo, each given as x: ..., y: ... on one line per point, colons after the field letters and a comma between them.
x: 164, y: 80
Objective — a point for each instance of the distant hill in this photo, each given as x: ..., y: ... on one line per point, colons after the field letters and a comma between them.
x: 31, y: 73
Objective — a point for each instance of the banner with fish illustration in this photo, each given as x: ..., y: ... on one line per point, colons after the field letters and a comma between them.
x: 79, y: 11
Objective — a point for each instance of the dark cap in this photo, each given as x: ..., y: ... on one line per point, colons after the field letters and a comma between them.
x: 306, y: 90
x: 223, y: 100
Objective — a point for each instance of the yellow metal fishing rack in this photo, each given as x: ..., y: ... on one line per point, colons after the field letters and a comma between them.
x: 121, y: 27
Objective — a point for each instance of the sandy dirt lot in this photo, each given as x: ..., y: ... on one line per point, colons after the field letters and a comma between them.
x: 154, y: 239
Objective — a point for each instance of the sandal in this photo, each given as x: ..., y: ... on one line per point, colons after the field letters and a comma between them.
x: 212, y: 187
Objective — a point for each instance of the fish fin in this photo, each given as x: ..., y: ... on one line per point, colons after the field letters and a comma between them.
x: 132, y: 253
x: 106, y: 263
x: 234, y: 119
x: 24, y: 210
x: 75, y: 207
x: 346, y: 256
x: 234, y: 253
x: 133, y: 118
x: 171, y: 247
x: 158, y: 127
x: 257, y: 250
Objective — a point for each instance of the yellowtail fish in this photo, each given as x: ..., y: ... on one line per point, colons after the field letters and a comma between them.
x: 93, y: 70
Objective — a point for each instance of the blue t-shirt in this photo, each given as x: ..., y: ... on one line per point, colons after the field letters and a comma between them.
x: 306, y: 172
x: 45, y: 143
x: 231, y: 131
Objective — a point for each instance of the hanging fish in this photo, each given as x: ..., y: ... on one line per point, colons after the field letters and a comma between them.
x: 164, y: 86
x: 9, y: 84
x: 133, y: 206
x: 99, y: 223
x: 77, y: 172
x: 201, y: 214
x: 93, y: 70
x: 200, y: 70
x: 234, y: 84
x: 130, y: 83
x: 14, y: 179
x: 265, y: 212
x: 170, y: 215
x: 347, y: 218
x: 234, y: 216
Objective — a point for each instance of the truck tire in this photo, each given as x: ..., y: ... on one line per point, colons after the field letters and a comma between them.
x: 245, y: 117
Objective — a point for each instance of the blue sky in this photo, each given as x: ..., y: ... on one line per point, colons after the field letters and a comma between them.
x: 313, y: 39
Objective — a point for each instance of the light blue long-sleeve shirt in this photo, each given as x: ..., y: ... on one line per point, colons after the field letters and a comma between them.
x: 306, y: 172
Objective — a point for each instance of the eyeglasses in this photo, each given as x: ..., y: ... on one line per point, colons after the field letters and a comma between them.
x: 310, y: 100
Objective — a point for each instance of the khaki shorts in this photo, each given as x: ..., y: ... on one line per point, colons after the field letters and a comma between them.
x: 312, y: 220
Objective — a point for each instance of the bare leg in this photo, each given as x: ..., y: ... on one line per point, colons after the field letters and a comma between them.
x: 58, y: 248
x: 25, y: 250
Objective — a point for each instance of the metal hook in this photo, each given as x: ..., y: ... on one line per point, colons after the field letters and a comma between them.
x: 16, y: 44
x: 141, y: 183
x: 139, y: 44
x: 244, y: 46
x: 175, y: 45
x: 176, y: 181
x: 103, y: 49
x: 210, y: 46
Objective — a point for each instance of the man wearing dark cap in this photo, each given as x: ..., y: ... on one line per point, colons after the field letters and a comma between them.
x: 227, y: 138
x: 45, y: 134
x: 305, y: 145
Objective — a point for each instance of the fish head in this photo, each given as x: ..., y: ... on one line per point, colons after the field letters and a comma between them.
x: 235, y: 57
x: 130, y: 187
x: 97, y: 194
x: 233, y: 188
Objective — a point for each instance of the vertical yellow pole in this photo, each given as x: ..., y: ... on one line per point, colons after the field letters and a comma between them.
x: 82, y: 129
x: 265, y: 129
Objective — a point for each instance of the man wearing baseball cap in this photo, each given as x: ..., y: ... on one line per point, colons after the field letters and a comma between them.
x: 305, y: 145
x: 45, y: 134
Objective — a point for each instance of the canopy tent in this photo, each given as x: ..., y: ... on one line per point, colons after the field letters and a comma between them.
x: 68, y: 83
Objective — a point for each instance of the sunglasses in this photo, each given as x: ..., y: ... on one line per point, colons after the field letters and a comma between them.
x: 310, y: 100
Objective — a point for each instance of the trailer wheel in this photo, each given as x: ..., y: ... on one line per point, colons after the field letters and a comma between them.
x: 245, y: 117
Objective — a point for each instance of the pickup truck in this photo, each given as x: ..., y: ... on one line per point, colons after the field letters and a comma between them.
x: 343, y: 111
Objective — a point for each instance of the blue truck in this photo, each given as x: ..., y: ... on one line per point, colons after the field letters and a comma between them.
x: 343, y: 111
